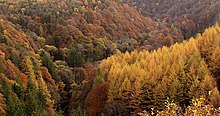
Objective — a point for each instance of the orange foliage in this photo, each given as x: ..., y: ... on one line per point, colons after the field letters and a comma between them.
x: 15, y: 37
x: 16, y: 53
x: 12, y: 70
x: 91, y: 70
x: 48, y: 78
x: 97, y: 98
x: 3, y: 48
x: 24, y: 79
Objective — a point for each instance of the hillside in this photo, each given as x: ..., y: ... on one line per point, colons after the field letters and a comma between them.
x: 139, y: 81
x: 84, y: 24
x: 24, y: 86
x: 102, y: 57
x: 49, y: 50
x: 190, y: 16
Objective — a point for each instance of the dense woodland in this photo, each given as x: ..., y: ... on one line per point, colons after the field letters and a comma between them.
x: 190, y: 16
x: 106, y: 57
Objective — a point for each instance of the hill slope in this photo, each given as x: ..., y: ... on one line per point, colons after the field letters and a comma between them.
x: 24, y: 87
x: 80, y: 22
x: 48, y: 50
x: 46, y: 47
x: 191, y: 16
x: 144, y: 80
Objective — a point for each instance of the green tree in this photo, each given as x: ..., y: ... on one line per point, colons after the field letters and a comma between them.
x: 15, y: 107
x: 74, y: 58
x: 35, y: 101
x: 47, y: 62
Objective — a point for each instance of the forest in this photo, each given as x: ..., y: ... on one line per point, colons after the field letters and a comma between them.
x: 109, y: 57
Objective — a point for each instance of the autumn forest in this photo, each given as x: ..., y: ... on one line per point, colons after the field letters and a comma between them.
x: 109, y: 58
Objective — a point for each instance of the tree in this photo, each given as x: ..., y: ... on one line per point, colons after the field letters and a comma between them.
x: 47, y: 62
x: 180, y: 73
x: 97, y: 98
x: 15, y: 106
x: 35, y: 101
x: 2, y: 105
x: 74, y: 58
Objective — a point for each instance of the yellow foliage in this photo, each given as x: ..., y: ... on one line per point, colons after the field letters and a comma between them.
x: 2, y: 105
x: 14, y: 36
x: 29, y: 70
x: 31, y: 67
x: 180, y: 72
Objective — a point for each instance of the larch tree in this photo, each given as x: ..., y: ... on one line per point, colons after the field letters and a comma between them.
x: 180, y: 73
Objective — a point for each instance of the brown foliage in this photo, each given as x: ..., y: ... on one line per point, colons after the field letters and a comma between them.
x: 190, y: 16
x: 12, y: 71
x: 97, y: 98
x: 47, y: 77
x: 3, y: 48
x: 91, y: 70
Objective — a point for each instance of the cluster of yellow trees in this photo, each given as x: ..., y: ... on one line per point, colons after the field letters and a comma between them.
x: 142, y: 80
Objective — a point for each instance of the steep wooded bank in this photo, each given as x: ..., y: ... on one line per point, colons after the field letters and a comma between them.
x: 24, y: 86
x: 190, y: 16
x: 94, y: 28
x: 144, y: 80
x: 63, y: 37
x: 50, y: 52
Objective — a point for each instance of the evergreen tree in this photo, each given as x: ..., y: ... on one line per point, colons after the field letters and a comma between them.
x: 47, y: 62
x: 15, y: 107
x: 74, y: 58
x: 35, y: 101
